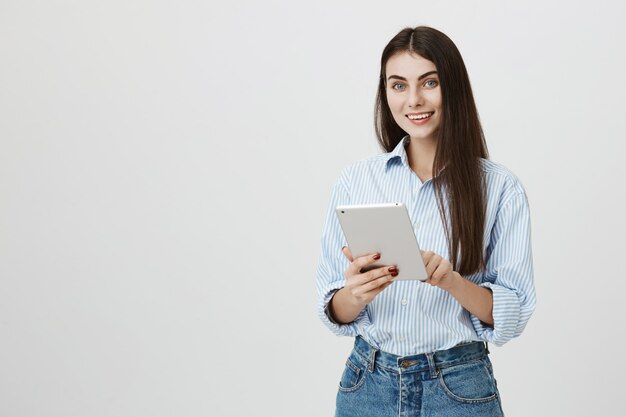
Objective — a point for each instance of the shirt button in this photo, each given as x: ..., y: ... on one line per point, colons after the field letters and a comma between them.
x: 404, y: 302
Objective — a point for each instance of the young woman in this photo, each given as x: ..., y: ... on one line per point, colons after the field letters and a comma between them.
x: 421, y: 347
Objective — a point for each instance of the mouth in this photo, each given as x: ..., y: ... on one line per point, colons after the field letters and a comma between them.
x: 420, y: 118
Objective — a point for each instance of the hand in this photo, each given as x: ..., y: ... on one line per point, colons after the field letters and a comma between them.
x: 439, y: 270
x: 363, y: 287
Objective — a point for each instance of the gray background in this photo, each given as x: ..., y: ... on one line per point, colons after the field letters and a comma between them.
x: 165, y: 168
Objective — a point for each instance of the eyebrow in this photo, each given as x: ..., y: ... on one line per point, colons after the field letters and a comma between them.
x: 426, y: 74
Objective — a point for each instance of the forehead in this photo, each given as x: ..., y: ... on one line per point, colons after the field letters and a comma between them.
x: 408, y: 65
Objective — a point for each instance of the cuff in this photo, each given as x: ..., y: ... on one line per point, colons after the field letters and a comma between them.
x: 506, y: 316
x: 349, y: 329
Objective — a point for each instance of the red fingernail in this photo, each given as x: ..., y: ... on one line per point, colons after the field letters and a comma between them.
x: 393, y: 269
x: 394, y: 274
x: 377, y: 256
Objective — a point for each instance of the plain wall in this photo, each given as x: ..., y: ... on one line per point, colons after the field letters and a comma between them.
x: 165, y: 169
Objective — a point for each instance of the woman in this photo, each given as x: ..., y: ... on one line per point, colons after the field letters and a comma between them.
x: 421, y: 347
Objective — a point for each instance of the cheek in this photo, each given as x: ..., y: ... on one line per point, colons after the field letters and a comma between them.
x: 434, y: 97
x: 395, y: 104
x: 437, y: 100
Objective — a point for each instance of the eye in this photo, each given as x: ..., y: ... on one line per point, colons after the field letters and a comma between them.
x: 397, y: 85
x: 431, y: 83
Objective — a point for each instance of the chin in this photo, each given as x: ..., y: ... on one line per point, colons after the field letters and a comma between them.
x: 419, y: 134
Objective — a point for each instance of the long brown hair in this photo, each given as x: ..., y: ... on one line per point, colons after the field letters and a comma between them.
x: 460, y: 143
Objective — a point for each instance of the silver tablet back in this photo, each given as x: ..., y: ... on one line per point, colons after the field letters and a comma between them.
x: 387, y: 229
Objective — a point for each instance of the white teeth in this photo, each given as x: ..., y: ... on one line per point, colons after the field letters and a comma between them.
x: 419, y: 116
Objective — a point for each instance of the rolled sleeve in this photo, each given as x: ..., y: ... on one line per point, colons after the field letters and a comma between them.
x: 509, y: 273
x: 332, y: 262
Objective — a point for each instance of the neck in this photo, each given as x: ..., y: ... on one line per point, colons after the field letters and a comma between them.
x: 421, y: 155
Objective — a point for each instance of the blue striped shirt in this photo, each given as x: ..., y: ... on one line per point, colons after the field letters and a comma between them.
x: 411, y: 317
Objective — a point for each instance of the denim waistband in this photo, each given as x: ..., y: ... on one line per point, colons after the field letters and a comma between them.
x: 431, y: 361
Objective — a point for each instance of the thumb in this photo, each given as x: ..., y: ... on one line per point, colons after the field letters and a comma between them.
x: 347, y: 252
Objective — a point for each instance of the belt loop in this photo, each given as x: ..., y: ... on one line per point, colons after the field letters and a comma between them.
x: 487, y: 347
x: 370, y: 367
x: 434, y: 372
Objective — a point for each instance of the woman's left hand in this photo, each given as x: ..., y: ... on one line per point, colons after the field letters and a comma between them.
x: 439, y: 270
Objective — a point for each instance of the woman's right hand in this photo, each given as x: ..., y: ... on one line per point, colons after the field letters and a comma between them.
x: 361, y: 287
x: 364, y: 286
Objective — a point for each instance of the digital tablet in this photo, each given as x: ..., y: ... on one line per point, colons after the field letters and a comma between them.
x: 386, y: 229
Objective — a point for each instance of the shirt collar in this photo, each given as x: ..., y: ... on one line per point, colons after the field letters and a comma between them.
x: 399, y: 153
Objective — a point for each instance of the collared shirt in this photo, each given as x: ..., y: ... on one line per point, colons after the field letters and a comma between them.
x: 411, y: 317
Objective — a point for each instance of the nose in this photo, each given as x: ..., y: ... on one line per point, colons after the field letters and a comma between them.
x: 415, y: 97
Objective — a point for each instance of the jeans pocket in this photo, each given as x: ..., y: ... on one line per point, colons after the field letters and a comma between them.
x: 469, y: 383
x: 353, y: 375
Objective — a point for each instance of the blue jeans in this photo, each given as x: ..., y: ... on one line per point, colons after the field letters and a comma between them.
x: 447, y: 383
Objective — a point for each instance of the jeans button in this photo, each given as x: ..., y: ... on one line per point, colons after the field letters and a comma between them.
x: 404, y: 364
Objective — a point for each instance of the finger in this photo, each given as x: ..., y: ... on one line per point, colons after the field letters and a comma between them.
x: 440, y: 272
x: 433, y: 264
x: 374, y: 274
x: 375, y: 286
x: 381, y: 288
x: 347, y: 252
x: 362, y: 261
x: 426, y: 255
x: 430, y: 267
x: 378, y: 290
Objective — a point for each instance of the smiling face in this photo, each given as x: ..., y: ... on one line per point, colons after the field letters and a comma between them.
x: 414, y: 95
